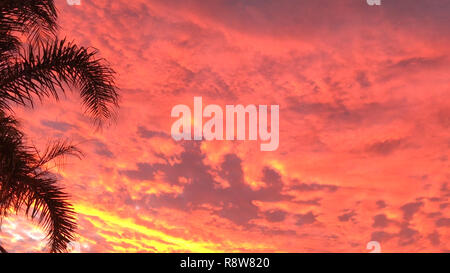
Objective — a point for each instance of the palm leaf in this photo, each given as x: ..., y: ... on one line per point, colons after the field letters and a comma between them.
x: 44, y: 67
x: 44, y: 71
x: 34, y: 18
x: 26, y: 184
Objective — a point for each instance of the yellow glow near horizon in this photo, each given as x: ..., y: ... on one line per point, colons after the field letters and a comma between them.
x: 128, y: 223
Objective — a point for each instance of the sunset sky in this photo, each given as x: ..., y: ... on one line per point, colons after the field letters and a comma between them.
x: 364, y: 128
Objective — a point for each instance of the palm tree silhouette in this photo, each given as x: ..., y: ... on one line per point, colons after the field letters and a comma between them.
x: 38, y: 66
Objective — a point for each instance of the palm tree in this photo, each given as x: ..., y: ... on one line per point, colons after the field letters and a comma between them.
x: 36, y: 67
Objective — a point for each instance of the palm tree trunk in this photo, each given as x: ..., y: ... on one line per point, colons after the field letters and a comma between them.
x: 2, y: 250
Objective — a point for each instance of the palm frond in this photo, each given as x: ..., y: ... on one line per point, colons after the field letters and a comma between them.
x: 2, y: 250
x: 33, y: 18
x: 45, y: 201
x: 43, y: 68
x: 9, y: 47
x: 57, y: 149
x: 26, y: 184
x: 44, y: 71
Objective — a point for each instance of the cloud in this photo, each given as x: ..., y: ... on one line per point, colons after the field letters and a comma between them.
x: 385, y: 147
x: 145, y: 133
x: 337, y: 113
x: 381, y: 236
x: 434, y: 238
x: 347, y: 216
x: 362, y: 119
x: 103, y: 150
x: 59, y: 126
x: 381, y: 204
x: 234, y: 202
x: 407, y: 235
x: 443, y: 222
x: 275, y: 215
x: 299, y: 186
x: 410, y: 209
x: 144, y: 171
x: 305, y: 219
x: 380, y: 221
x: 362, y: 79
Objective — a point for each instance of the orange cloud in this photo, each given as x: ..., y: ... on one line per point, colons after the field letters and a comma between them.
x: 364, y: 128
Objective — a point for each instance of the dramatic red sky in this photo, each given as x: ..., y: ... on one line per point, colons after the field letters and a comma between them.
x: 364, y: 128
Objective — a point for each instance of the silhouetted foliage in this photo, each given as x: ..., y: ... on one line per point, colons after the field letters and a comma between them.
x: 34, y: 68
